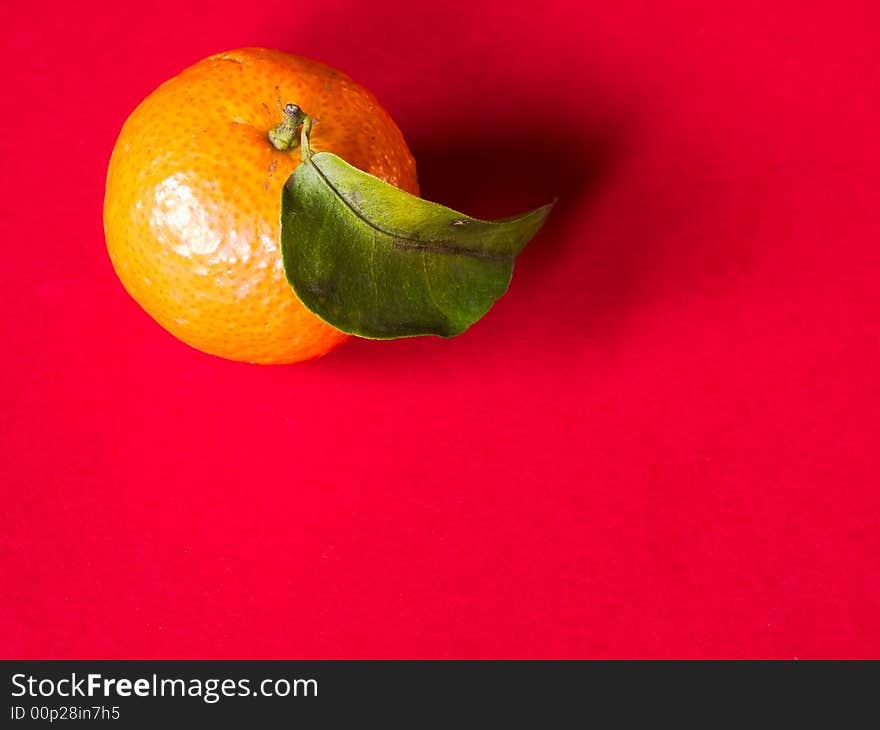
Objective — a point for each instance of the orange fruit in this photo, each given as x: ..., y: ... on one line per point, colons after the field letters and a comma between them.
x: 191, y: 212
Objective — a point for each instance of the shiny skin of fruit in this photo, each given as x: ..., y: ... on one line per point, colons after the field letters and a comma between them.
x: 191, y: 212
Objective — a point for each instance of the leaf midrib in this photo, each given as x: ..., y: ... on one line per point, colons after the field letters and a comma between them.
x: 429, y: 246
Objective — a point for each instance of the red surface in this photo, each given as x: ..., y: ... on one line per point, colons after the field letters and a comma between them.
x: 663, y: 442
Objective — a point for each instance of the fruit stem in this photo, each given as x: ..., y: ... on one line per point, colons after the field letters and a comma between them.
x: 283, y: 136
x: 305, y: 149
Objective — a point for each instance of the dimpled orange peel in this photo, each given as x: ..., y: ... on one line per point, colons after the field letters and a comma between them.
x: 191, y: 211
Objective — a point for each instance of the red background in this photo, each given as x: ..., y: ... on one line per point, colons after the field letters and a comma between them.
x: 663, y: 442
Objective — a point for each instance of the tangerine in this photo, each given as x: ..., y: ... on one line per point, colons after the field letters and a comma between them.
x: 192, y: 204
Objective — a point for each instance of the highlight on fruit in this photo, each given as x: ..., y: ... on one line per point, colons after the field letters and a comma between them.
x: 271, y: 234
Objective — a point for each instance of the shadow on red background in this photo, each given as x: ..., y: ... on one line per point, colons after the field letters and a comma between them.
x: 661, y: 442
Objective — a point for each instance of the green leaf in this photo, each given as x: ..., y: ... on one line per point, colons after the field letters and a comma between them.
x: 375, y: 261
